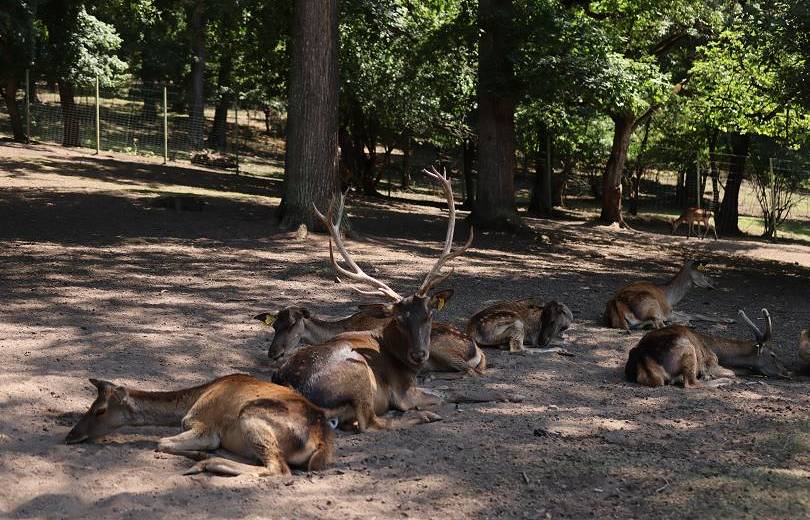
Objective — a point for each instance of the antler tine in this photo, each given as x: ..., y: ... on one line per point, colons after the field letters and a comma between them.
x: 434, y: 276
x: 768, y: 326
x: 750, y: 323
x: 355, y: 273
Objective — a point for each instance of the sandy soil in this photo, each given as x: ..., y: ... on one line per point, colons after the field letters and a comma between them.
x: 96, y: 283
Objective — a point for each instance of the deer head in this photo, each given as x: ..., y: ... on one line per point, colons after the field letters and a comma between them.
x: 767, y: 362
x: 289, y: 327
x: 696, y: 270
x: 555, y: 320
x: 109, y: 411
x: 411, y: 317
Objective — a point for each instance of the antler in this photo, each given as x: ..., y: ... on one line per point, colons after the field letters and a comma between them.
x: 355, y: 273
x: 761, y: 338
x: 435, y: 276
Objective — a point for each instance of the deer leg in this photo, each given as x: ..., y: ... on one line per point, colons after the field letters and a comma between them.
x: 516, y: 334
x: 193, y: 440
x: 259, y: 434
x: 650, y: 374
x: 689, y: 370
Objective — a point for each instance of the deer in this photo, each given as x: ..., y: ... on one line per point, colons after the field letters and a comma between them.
x: 515, y: 322
x: 368, y: 373
x: 253, y: 420
x: 804, y: 348
x: 692, y: 216
x: 643, y: 304
x: 676, y: 351
x: 450, y: 349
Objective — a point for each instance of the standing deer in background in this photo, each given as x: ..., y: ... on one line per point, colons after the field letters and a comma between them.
x: 665, y: 354
x: 365, y: 374
x: 642, y: 304
x: 450, y: 349
x: 692, y: 216
x: 804, y: 349
x: 252, y: 419
x: 517, y: 322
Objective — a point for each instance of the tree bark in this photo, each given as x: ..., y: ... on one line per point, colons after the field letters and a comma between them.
x: 538, y: 204
x: 612, y: 179
x: 714, y: 134
x: 10, y: 96
x: 70, y: 117
x: 495, y: 201
x: 218, y: 137
x: 196, y: 122
x: 311, y: 169
x: 727, y: 220
x: 469, y: 182
x: 405, y: 177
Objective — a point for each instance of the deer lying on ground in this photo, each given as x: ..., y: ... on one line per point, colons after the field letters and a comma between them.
x: 667, y: 354
x: 517, y: 322
x: 368, y: 373
x: 643, y: 304
x: 692, y: 216
x: 450, y: 349
x: 252, y: 419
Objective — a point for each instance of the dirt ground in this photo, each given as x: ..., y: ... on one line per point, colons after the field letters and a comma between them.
x: 95, y: 282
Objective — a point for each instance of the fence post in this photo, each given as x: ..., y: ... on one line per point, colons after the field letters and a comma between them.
x: 27, y: 105
x: 236, y: 129
x: 98, y: 123
x: 165, y: 126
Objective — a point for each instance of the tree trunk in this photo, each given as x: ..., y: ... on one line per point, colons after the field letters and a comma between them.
x: 311, y: 174
x: 218, y: 137
x: 469, y: 182
x: 495, y: 201
x: 612, y: 178
x: 405, y: 179
x: 70, y: 117
x: 727, y: 220
x: 196, y: 121
x: 10, y: 96
x: 715, y: 174
x: 538, y: 203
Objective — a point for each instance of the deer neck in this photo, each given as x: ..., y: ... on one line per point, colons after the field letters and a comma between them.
x: 397, y: 372
x: 318, y: 331
x: 676, y: 289
x: 732, y: 352
x: 163, y: 408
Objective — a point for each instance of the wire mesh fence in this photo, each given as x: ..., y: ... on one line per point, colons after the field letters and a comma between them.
x: 156, y: 121
x: 244, y: 136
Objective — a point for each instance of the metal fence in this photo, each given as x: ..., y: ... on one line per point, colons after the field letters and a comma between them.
x: 248, y: 137
x: 154, y: 120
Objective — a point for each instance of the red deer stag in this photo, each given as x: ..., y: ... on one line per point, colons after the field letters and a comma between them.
x: 368, y: 373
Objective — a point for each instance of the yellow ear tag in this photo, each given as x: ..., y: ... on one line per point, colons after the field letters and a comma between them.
x: 269, y: 320
x: 441, y: 304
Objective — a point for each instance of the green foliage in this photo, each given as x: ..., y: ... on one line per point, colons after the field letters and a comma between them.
x: 79, y: 47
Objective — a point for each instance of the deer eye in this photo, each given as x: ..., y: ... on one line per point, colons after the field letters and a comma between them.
x: 101, y: 411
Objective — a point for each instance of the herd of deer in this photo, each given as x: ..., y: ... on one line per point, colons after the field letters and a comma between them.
x: 350, y: 373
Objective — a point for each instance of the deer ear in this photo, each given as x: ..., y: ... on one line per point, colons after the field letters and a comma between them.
x: 268, y: 318
x: 439, y: 299
x: 100, y: 384
x: 377, y: 310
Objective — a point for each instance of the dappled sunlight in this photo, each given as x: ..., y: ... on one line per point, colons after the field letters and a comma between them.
x: 98, y: 284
